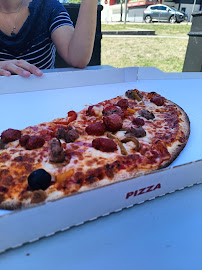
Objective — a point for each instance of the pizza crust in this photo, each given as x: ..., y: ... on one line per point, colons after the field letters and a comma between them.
x: 177, y: 147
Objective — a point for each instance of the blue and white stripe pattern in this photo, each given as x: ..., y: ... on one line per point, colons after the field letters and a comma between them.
x: 41, y: 55
x: 41, y: 50
x: 62, y: 19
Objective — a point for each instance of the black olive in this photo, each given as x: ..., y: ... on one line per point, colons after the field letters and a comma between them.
x: 39, y: 179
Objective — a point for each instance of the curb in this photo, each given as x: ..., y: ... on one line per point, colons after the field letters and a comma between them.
x: 129, y: 32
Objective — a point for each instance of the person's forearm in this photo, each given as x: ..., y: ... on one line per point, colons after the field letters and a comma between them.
x: 82, y: 42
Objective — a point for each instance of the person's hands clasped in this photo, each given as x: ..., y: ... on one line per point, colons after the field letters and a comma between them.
x: 18, y: 67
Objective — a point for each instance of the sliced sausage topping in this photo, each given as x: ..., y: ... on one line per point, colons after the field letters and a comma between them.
x: 159, y: 101
x: 24, y: 139
x: 109, y: 110
x: 10, y: 135
x: 138, y: 121
x: 113, y: 122
x: 97, y: 129
x: 34, y: 142
x: 123, y: 103
x: 104, y: 145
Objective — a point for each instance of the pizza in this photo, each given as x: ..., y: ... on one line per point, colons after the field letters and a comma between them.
x: 117, y: 139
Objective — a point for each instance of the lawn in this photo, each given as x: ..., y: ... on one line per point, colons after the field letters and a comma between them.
x: 165, y: 53
x: 160, y: 29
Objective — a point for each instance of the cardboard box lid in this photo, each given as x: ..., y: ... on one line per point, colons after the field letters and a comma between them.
x: 81, y: 78
x: 35, y: 98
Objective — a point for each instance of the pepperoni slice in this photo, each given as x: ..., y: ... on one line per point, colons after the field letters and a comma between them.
x: 104, y: 145
x: 159, y: 101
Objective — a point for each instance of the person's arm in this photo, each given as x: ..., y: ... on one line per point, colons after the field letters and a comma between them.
x: 75, y: 46
x: 19, y: 67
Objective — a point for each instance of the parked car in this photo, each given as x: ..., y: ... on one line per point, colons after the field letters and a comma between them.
x: 163, y: 13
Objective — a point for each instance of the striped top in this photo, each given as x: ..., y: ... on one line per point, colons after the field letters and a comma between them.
x: 33, y: 42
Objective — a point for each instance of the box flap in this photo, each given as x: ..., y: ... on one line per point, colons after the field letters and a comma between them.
x: 66, y: 79
x: 152, y: 73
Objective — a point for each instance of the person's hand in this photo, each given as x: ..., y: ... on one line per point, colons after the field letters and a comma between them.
x: 18, y: 67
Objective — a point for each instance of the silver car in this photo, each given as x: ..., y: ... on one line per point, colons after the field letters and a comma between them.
x: 163, y: 13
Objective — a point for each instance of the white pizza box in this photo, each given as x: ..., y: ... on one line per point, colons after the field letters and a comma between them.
x: 29, y: 101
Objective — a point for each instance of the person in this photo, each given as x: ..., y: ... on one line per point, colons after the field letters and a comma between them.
x: 32, y: 30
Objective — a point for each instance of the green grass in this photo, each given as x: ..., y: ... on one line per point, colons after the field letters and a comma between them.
x: 160, y: 29
x: 167, y: 54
